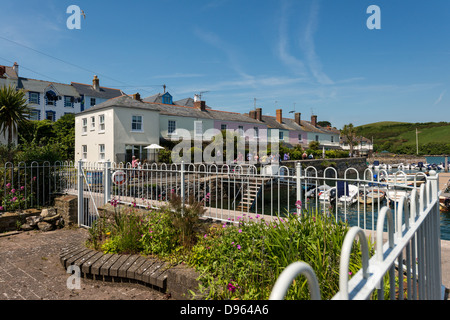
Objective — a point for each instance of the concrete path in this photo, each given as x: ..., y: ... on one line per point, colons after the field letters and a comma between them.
x: 30, y: 269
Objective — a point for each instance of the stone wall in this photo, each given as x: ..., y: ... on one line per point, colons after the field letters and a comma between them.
x: 396, y: 159
x: 11, y: 221
x: 67, y: 207
x: 340, y: 164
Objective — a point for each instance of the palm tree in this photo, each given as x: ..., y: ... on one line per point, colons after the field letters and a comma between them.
x: 349, y: 133
x: 14, y: 111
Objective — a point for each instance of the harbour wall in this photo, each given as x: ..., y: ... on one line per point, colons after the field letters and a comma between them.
x: 340, y: 164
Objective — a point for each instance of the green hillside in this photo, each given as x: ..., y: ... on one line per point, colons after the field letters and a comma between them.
x: 400, y: 137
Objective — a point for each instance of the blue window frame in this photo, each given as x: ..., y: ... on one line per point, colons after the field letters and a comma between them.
x: 35, y: 114
x: 33, y: 97
x: 166, y: 98
x: 68, y: 101
x: 50, y: 115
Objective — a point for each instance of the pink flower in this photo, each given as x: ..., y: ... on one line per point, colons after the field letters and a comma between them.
x: 298, y: 204
x: 1, y: 208
x: 8, y: 185
x: 239, y: 246
x: 13, y: 190
x: 240, y: 230
x: 22, y: 187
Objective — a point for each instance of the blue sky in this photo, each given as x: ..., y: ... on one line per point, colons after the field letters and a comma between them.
x: 315, y: 56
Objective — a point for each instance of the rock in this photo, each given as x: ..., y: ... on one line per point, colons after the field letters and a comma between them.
x: 26, y: 227
x: 59, y: 223
x: 48, y: 212
x: 45, y: 226
x: 33, y: 220
x: 51, y: 219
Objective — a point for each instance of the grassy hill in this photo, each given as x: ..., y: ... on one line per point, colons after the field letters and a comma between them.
x: 400, y: 137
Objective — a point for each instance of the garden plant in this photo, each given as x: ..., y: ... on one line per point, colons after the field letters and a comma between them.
x: 238, y: 259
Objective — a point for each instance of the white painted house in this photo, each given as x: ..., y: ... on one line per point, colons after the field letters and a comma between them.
x: 94, y: 94
x: 115, y: 130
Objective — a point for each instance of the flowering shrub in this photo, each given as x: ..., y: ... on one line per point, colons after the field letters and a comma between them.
x: 14, y: 198
x: 238, y: 259
x: 244, y: 260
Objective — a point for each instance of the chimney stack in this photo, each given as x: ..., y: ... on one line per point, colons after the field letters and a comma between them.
x: 137, y: 96
x: 298, y: 118
x: 252, y: 114
x: 16, y: 68
x: 201, y: 105
x: 259, y: 114
x: 314, y: 121
x: 279, y: 116
x: 96, y: 83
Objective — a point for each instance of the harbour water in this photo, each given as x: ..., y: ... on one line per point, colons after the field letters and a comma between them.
x: 362, y: 215
x: 358, y: 213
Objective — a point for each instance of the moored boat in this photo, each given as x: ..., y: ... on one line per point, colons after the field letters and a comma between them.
x: 373, y: 195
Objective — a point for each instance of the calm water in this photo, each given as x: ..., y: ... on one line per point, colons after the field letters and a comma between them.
x: 356, y: 214
x: 436, y: 160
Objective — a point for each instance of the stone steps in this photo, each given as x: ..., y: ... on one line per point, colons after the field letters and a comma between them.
x: 176, y: 280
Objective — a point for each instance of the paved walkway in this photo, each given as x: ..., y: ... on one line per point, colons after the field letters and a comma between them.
x: 30, y: 269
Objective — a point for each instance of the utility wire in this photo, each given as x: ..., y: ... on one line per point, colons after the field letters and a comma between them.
x: 66, y: 62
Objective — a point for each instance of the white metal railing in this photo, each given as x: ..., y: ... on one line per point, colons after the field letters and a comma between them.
x: 411, y: 226
x: 412, y: 254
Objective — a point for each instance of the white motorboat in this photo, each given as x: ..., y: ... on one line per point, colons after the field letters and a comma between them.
x: 327, y: 196
x: 315, y: 191
x: 394, y: 195
x: 351, y: 197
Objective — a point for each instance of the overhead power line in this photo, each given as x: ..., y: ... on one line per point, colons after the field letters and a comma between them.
x: 66, y: 62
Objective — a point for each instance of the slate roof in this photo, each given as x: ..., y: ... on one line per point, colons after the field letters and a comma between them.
x: 124, y: 101
x: 187, y: 102
x: 290, y: 124
x: 185, y: 111
x: 103, y: 92
x: 8, y: 72
x: 154, y: 98
x: 41, y: 86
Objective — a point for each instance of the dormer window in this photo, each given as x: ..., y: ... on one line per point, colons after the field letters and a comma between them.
x: 166, y: 98
x: 50, y: 98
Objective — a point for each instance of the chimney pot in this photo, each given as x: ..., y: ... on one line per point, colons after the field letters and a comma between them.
x: 96, y: 83
x: 16, y: 68
x: 137, y: 96
x: 201, y: 105
x: 259, y: 114
x: 279, y: 116
x: 298, y: 118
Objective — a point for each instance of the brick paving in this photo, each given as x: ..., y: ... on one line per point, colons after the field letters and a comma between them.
x: 30, y: 269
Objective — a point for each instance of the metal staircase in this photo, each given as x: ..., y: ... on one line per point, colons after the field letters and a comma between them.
x: 250, y: 191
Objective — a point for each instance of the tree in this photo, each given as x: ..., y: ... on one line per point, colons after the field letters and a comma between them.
x: 14, y: 110
x: 64, y: 135
x: 349, y: 133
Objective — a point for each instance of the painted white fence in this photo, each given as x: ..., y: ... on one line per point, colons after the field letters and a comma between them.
x: 407, y: 234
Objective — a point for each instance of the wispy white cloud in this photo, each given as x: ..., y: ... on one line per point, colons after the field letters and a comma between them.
x: 296, y: 65
x: 440, y: 97
x: 226, y: 48
x: 307, y: 42
x: 310, y: 64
